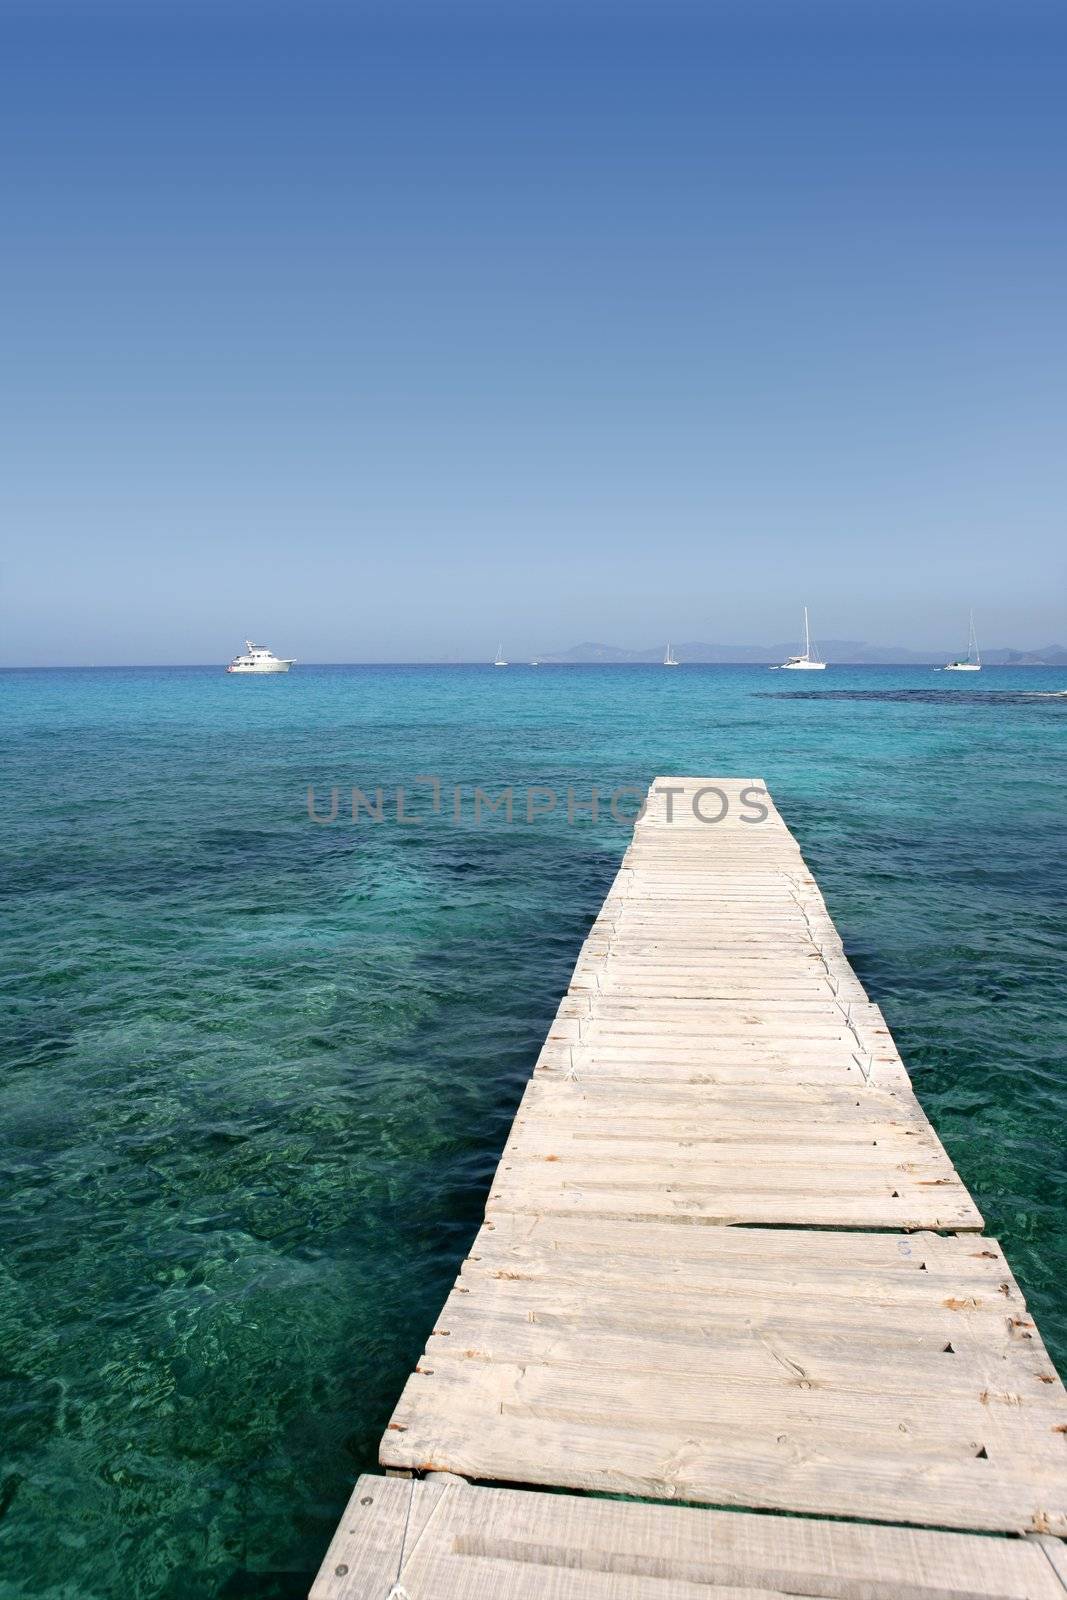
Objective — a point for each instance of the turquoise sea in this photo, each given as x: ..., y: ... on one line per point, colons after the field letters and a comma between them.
x: 255, y: 1072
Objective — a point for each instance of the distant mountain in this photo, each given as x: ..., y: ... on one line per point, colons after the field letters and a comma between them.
x: 1050, y: 655
x: 842, y: 652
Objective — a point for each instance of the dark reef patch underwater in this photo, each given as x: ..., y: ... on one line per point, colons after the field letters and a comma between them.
x: 977, y: 699
x: 256, y: 1073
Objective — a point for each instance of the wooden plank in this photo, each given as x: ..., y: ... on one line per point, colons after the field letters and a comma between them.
x: 842, y: 1150
x: 472, y: 1543
x: 811, y: 1372
x: 627, y: 1322
x: 1057, y: 1555
x: 644, y: 991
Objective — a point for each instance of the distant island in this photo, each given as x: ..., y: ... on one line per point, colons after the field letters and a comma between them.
x: 842, y: 652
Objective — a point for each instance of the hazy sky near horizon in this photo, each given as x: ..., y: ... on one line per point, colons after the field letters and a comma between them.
x: 389, y: 331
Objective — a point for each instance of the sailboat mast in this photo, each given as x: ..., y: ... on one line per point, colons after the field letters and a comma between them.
x: 807, y: 637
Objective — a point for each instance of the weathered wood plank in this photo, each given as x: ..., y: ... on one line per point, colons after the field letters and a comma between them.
x: 471, y: 1543
x: 901, y: 1378
x: 627, y: 1323
x: 713, y: 945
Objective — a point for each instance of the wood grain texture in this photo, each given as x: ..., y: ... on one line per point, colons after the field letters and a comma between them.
x: 715, y: 1058
x: 469, y: 1543
x: 713, y: 1265
x: 892, y: 1376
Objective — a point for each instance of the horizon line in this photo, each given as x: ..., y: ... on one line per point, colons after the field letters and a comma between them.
x: 205, y: 666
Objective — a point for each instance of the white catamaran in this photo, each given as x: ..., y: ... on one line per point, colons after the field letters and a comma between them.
x: 973, y: 661
x: 809, y: 661
x: 257, y: 658
x: 499, y: 661
x: 670, y: 659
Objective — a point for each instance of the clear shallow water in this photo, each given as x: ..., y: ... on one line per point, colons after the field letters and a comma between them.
x: 255, y: 1073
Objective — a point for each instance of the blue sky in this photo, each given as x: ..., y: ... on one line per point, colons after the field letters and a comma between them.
x: 389, y: 331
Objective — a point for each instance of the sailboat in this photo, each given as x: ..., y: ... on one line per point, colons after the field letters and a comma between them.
x: 973, y: 663
x: 670, y: 659
x: 809, y: 661
x: 500, y: 662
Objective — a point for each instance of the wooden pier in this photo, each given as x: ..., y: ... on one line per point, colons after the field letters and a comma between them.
x: 725, y: 1261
